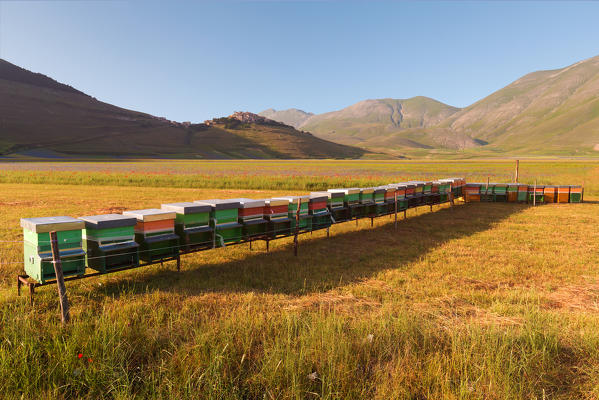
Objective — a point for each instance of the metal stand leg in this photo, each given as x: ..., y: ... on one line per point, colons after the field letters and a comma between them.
x: 267, y: 246
x: 178, y: 263
x: 250, y: 244
x: 371, y: 222
x: 31, y: 292
x: 19, y: 286
x: 328, y: 233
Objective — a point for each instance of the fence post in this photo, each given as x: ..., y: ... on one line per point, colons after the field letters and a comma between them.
x: 62, y: 290
x: 395, y: 208
x: 297, y: 219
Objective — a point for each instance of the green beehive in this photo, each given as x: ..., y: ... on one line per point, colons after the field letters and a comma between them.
x: 351, y: 201
x: 380, y: 206
x: 109, y: 242
x: 500, y: 192
x: 305, y: 219
x: 192, y: 224
x: 522, y: 193
x: 536, y: 194
x: 576, y: 194
x: 367, y: 201
x: 155, y: 234
x: 37, y: 250
x: 487, y: 192
x: 427, y: 193
x: 224, y: 220
x: 336, y: 205
x: 317, y: 207
x: 444, y: 190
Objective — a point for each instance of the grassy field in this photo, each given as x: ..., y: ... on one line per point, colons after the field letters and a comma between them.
x: 294, y: 174
x: 493, y: 301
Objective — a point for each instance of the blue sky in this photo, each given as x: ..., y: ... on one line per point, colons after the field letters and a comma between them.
x: 198, y: 60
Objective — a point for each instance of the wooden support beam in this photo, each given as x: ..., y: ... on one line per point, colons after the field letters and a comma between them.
x: 62, y: 290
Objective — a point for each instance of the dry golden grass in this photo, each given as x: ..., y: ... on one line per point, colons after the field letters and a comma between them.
x: 494, y: 301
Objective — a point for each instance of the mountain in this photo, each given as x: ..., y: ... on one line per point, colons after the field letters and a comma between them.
x: 39, y: 116
x: 553, y: 112
x: 389, y: 123
x: 544, y: 112
x: 292, y: 116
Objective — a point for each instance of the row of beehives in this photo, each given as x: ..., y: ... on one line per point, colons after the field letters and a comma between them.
x: 110, y: 242
x: 522, y: 193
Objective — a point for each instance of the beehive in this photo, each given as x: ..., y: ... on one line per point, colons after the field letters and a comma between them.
x: 418, y: 197
x: 37, y: 250
x: 563, y: 194
x: 550, y: 194
x: 367, y: 201
x: 500, y: 192
x: 486, y: 192
x: 536, y: 192
x: 512, y: 192
x: 390, y: 191
x: 155, y: 234
x: 251, y: 216
x: 522, y: 193
x: 276, y: 212
x: 317, y: 207
x: 472, y: 192
x: 576, y: 194
x: 411, y: 195
x: 224, y: 220
x: 445, y: 188
x: 192, y: 224
x: 435, y: 192
x: 305, y: 219
x: 336, y: 204
x: 402, y: 195
x: 351, y: 201
x: 109, y: 242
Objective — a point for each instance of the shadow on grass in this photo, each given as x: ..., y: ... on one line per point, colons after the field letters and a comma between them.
x: 349, y: 255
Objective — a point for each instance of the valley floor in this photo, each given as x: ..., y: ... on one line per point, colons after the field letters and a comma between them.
x: 475, y: 301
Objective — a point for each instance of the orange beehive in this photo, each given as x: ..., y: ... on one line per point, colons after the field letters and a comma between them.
x: 550, y: 194
x: 563, y: 194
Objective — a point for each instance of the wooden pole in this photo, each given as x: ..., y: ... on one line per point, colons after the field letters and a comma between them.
x: 297, y: 219
x: 534, y: 195
x: 62, y: 290
x: 517, y: 171
x: 396, y: 210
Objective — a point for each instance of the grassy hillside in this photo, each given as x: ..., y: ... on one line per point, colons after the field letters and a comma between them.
x: 545, y: 112
x: 390, y: 124
x: 42, y: 116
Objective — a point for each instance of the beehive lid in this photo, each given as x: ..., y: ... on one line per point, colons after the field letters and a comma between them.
x: 318, y: 196
x: 345, y: 190
x: 187, y: 208
x: 107, y: 221
x: 151, y: 214
x: 322, y: 194
x: 277, y: 202
x: 294, y: 199
x: 379, y: 189
x: 367, y: 190
x: 219, y: 204
x: 249, y: 203
x: 49, y: 224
